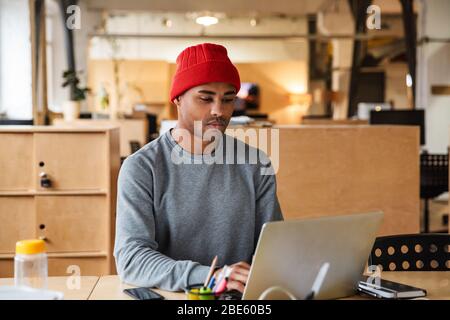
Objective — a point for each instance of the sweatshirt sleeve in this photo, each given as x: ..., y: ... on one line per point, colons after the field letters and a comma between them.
x: 267, y: 205
x: 136, y: 250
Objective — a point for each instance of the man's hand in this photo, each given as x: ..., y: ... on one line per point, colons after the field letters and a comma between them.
x: 238, y: 277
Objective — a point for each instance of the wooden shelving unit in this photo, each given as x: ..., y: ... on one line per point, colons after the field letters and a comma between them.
x: 76, y: 214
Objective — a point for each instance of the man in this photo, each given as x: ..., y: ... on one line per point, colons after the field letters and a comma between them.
x: 174, y: 217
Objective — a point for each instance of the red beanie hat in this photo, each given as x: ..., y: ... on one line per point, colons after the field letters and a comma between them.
x: 202, y: 64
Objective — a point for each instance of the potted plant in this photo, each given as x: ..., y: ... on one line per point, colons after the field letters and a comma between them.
x: 71, y: 108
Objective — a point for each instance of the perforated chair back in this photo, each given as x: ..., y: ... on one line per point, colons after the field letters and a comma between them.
x: 412, y: 252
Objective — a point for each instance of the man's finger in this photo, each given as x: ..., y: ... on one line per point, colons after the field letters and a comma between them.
x: 238, y: 277
x: 242, y: 264
x: 243, y: 271
x: 236, y: 285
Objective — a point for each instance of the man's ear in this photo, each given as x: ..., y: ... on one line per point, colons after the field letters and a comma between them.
x: 176, y: 101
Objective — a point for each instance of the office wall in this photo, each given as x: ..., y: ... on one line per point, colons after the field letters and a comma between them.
x: 276, y: 80
x: 139, y: 81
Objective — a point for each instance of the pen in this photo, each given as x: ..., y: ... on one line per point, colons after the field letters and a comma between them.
x: 219, y: 278
x: 222, y: 285
x: 212, y: 282
x: 210, y: 273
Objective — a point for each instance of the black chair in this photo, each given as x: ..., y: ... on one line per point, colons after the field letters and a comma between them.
x: 412, y: 252
x: 433, y: 181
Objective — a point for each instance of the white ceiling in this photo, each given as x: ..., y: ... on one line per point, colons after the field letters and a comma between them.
x: 237, y: 7
x: 229, y: 7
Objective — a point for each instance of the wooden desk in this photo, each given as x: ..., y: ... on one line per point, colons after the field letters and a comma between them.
x: 111, y: 288
x: 437, y: 285
x: 60, y: 284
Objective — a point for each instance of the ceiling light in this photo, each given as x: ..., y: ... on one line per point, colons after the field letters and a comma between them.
x: 206, y: 20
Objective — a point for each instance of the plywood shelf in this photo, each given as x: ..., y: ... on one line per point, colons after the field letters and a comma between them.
x: 13, y: 193
x: 100, y: 254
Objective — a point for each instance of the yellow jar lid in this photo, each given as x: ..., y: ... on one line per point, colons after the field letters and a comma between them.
x: 30, y: 246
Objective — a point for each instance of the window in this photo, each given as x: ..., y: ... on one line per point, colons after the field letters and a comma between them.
x: 15, y: 60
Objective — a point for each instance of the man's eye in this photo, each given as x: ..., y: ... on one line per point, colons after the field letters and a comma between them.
x: 228, y: 100
x: 206, y: 99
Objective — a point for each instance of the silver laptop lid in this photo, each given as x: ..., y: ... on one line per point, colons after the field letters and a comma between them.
x: 290, y: 253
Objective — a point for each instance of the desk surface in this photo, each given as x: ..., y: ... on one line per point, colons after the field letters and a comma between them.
x: 436, y: 283
x: 63, y: 284
x: 111, y: 288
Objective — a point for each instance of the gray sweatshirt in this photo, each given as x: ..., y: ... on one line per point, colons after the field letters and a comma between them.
x: 174, y: 214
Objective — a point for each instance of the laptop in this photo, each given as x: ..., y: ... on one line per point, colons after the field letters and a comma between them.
x: 290, y: 254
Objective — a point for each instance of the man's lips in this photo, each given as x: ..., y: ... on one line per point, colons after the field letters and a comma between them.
x: 216, y: 124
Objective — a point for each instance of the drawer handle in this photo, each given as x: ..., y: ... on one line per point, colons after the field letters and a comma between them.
x: 43, y: 238
x: 45, y: 180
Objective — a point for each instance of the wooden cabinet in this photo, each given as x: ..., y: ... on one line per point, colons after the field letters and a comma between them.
x: 75, y: 215
x: 78, y: 168
x: 130, y: 130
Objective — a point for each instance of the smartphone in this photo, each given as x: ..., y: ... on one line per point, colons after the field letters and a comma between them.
x: 390, y: 289
x: 143, y: 294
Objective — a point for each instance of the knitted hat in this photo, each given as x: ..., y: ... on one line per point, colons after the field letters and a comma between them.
x: 202, y: 64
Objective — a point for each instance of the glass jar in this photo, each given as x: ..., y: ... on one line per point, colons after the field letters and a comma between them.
x: 30, y: 264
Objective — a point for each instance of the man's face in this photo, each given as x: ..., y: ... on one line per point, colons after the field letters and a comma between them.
x: 210, y: 103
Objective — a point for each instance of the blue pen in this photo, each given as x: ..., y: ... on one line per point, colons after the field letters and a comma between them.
x: 211, y: 282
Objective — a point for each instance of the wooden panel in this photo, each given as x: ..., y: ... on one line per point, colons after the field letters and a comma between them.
x: 327, y: 170
x: 16, y: 161
x: 73, y: 161
x: 6, y: 268
x: 17, y: 221
x: 130, y: 129
x: 113, y: 175
x: 73, y: 223
x: 53, y: 129
x: 332, y: 122
x: 88, y: 266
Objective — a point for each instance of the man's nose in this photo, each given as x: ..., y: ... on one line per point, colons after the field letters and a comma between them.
x: 217, y: 109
